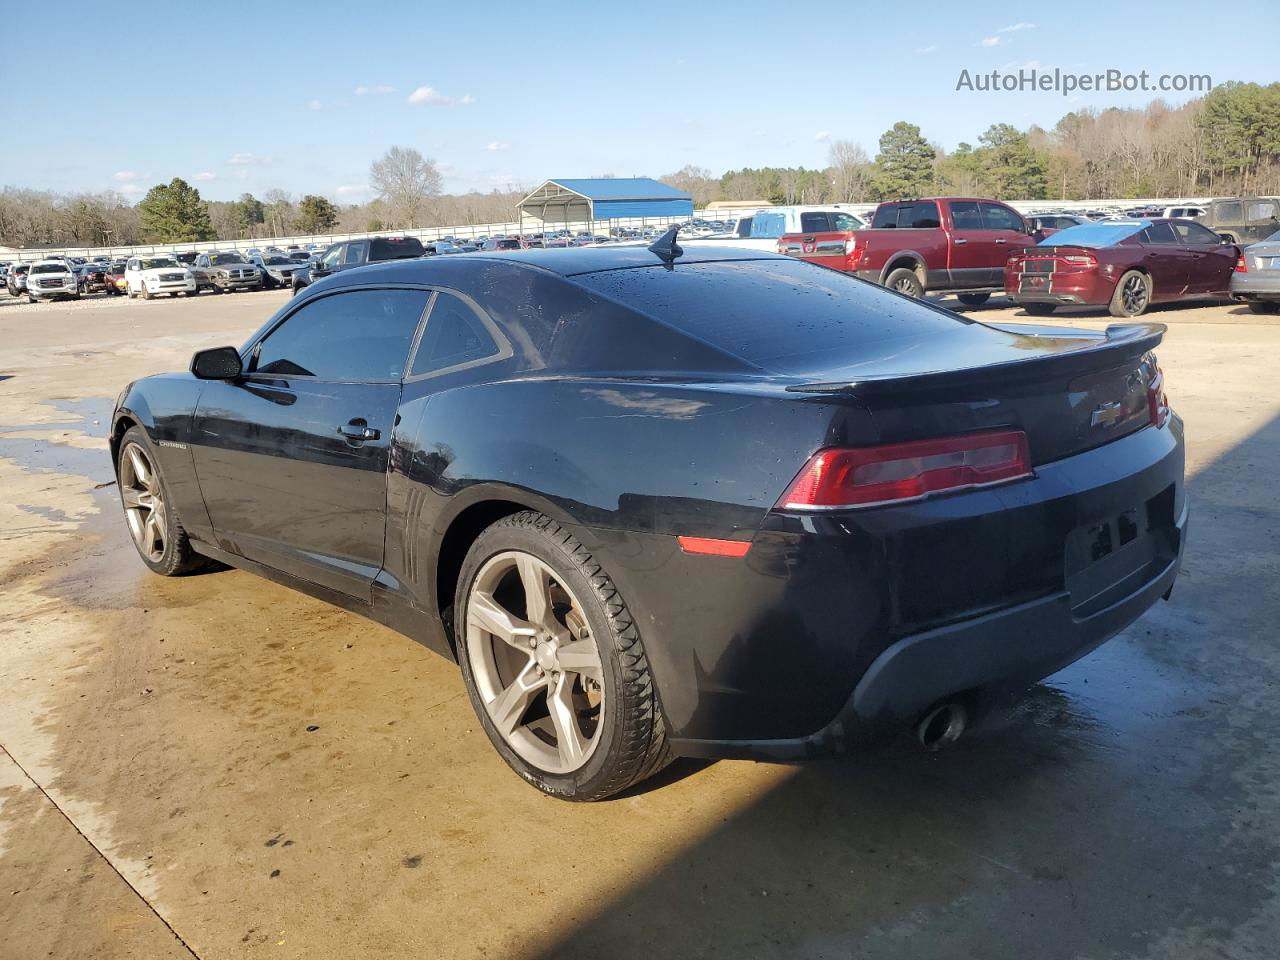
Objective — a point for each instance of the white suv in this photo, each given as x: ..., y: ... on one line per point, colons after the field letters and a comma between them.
x: 148, y: 276
x: 50, y: 279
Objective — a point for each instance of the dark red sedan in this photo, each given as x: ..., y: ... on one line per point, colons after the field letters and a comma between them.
x: 1124, y: 265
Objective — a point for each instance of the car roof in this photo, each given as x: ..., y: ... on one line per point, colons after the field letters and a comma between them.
x: 570, y: 261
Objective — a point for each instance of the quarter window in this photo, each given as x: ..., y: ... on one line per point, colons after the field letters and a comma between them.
x: 1262, y: 211
x: 361, y: 335
x: 454, y: 335
x: 1160, y: 233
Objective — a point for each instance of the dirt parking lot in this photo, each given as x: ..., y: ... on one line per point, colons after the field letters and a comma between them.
x: 218, y: 767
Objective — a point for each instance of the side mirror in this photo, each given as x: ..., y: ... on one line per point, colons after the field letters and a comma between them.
x: 220, y: 363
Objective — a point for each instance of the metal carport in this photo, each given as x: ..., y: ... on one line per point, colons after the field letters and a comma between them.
x: 564, y: 202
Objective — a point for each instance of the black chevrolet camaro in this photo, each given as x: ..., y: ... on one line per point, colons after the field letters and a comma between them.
x: 717, y: 504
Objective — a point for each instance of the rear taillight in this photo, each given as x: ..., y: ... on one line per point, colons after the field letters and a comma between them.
x: 1086, y: 261
x: 1157, y: 399
x: 898, y: 472
x: 1242, y: 264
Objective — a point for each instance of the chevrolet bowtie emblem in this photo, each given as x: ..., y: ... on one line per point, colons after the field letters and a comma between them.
x: 1107, y: 414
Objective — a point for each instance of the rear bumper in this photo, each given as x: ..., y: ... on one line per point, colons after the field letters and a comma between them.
x: 1259, y: 285
x: 1070, y: 288
x: 838, y: 627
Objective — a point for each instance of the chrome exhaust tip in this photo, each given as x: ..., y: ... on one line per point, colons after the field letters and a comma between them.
x: 942, y: 725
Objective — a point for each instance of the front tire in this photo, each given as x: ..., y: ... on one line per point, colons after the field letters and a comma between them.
x: 904, y: 281
x: 146, y: 294
x: 152, y: 519
x: 1132, y: 295
x: 554, y: 664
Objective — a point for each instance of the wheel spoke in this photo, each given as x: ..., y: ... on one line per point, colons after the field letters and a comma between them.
x: 569, y: 739
x: 508, y: 708
x: 132, y: 498
x: 486, y: 614
x: 582, y: 657
x: 141, y: 469
x: 151, y: 532
x: 537, y: 591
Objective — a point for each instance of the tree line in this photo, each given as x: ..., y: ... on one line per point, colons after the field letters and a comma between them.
x: 1225, y: 143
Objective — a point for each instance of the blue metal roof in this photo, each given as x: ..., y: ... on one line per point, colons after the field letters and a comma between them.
x: 630, y: 188
x: 607, y: 198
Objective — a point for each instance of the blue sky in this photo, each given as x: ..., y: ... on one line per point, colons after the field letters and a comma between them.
x: 303, y: 96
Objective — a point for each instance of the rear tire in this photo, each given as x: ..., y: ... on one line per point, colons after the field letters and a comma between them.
x: 150, y: 514
x: 904, y: 281
x: 580, y: 739
x: 1264, y: 306
x: 974, y: 299
x: 1132, y: 295
x: 1038, y: 309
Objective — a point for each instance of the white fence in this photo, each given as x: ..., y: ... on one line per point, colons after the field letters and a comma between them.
x: 470, y: 231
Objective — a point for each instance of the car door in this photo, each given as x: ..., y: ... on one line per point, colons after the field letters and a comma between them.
x: 133, y: 275
x: 292, y: 456
x: 1006, y: 232
x: 1165, y: 260
x: 971, y: 248
x: 1212, y: 261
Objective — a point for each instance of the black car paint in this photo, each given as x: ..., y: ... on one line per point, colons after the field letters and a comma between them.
x: 630, y: 433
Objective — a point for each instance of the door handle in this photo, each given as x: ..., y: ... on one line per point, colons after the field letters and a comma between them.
x: 359, y: 429
x: 959, y: 240
x: 1001, y: 240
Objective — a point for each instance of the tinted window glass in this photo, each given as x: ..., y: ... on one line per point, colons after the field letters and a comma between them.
x: 924, y: 216
x: 453, y: 335
x: 784, y: 315
x: 361, y: 335
x: 997, y: 217
x: 811, y: 222
x: 1160, y: 233
x: 1194, y: 233
x: 964, y: 215
x: 395, y: 248
x: 1228, y: 212
x: 886, y: 216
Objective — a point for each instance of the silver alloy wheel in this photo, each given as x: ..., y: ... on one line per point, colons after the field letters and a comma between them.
x: 143, y: 503
x: 534, y: 661
x: 1134, y: 295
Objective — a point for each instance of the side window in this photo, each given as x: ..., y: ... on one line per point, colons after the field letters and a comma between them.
x: 454, y: 335
x: 361, y: 335
x: 1160, y: 233
x: 924, y: 216
x: 845, y: 221
x: 332, y: 256
x: 1228, y: 212
x: 964, y: 215
x: 996, y: 216
x: 202, y: 261
x: 1261, y: 211
x: 355, y: 252
x: 814, y: 222
x: 1193, y: 233
x: 744, y: 227
x: 886, y: 216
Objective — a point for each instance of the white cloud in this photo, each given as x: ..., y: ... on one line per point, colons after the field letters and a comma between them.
x: 990, y: 42
x: 822, y: 136
x: 1015, y: 27
x: 133, y: 190
x: 205, y: 175
x: 314, y: 104
x: 124, y: 176
x: 496, y: 145
x: 428, y: 96
x: 247, y: 159
x: 351, y: 189
x: 467, y: 100
x: 377, y: 90
x: 932, y: 48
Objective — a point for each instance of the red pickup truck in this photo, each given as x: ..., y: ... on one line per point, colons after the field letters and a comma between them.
x: 935, y: 245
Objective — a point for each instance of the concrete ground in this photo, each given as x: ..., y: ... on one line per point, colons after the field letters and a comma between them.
x: 218, y: 767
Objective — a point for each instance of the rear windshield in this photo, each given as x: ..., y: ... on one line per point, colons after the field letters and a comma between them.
x: 1101, y: 234
x: 393, y: 248
x: 782, y: 315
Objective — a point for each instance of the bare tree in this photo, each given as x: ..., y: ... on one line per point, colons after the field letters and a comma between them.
x: 407, y: 183
x: 850, y: 170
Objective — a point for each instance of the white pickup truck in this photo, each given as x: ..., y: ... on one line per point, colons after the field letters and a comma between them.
x: 761, y: 230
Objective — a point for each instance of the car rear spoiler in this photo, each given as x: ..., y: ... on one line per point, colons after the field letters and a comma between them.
x: 1120, y: 342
